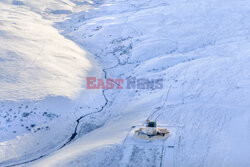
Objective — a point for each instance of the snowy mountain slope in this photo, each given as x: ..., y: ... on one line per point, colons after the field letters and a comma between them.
x: 200, y: 49
x: 41, y: 78
x: 34, y: 53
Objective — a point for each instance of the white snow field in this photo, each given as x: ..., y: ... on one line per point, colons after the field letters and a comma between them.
x: 201, y: 49
x: 36, y: 61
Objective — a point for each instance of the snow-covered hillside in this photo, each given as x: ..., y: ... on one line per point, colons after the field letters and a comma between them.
x: 201, y: 50
x: 36, y: 61
x: 42, y: 76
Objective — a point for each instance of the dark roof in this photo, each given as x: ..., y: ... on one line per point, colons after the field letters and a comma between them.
x: 151, y: 124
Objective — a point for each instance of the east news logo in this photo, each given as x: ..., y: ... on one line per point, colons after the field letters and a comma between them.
x: 119, y: 83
